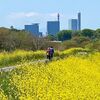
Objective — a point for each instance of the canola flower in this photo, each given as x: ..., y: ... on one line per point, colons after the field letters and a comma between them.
x: 73, y: 51
x: 20, y: 56
x: 72, y: 78
x: 2, y: 96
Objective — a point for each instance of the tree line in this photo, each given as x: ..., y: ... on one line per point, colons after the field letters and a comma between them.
x: 11, y: 39
x: 86, y: 38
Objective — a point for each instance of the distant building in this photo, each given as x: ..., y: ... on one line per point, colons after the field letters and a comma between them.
x: 79, y: 21
x: 33, y: 29
x: 73, y: 24
x: 53, y: 27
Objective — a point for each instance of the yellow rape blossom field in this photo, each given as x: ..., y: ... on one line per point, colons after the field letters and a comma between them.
x: 71, y: 78
x: 20, y: 56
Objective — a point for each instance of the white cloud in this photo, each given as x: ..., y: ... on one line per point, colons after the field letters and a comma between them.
x: 53, y: 14
x: 18, y: 15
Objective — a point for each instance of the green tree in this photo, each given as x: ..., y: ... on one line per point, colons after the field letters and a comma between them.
x: 97, y: 34
x: 51, y: 37
x: 64, y: 35
x: 88, y: 33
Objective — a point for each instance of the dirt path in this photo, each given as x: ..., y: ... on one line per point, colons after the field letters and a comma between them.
x: 10, y: 68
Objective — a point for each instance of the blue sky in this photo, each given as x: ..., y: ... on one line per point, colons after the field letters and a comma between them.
x: 21, y: 12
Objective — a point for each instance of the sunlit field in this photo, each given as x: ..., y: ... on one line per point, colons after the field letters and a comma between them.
x: 76, y: 77
x: 21, y: 56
